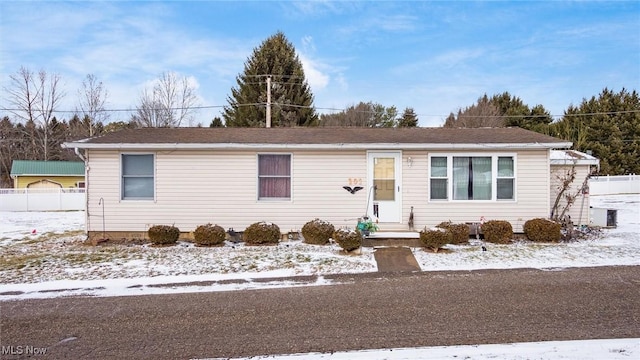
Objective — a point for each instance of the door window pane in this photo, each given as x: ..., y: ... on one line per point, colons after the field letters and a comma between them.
x: 384, y: 179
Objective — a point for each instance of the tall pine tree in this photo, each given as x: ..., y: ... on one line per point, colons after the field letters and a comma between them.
x: 291, y: 98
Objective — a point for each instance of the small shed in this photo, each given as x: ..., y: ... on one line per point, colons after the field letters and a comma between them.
x: 47, y: 174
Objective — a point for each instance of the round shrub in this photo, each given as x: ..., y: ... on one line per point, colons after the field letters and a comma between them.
x: 435, y: 238
x: 208, y: 235
x: 163, y: 234
x: 542, y: 230
x: 459, y: 232
x: 317, y: 232
x: 497, y: 231
x: 261, y: 233
x: 348, y: 240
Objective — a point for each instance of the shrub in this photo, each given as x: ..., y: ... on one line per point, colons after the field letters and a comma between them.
x: 208, y: 235
x: 542, y: 230
x: 497, y: 231
x: 459, y: 232
x: 348, y: 240
x: 435, y: 238
x: 261, y: 233
x: 317, y: 232
x: 163, y: 234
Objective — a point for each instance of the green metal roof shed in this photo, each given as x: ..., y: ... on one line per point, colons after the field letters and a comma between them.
x: 51, y: 168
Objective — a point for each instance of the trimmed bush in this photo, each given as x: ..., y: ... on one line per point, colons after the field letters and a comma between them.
x: 542, y: 230
x: 497, y: 231
x: 459, y: 232
x: 208, y: 235
x: 163, y: 234
x: 348, y: 240
x: 317, y: 232
x: 261, y: 233
x: 435, y: 238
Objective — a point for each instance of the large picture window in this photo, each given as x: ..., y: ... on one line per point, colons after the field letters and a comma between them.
x: 274, y: 176
x: 137, y: 177
x: 454, y: 177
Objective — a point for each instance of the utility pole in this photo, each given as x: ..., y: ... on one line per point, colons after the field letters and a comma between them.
x: 268, y: 123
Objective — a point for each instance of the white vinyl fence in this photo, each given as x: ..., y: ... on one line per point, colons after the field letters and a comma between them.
x: 611, y: 185
x: 42, y: 199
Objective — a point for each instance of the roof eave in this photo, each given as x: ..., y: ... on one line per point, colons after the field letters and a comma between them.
x: 349, y: 146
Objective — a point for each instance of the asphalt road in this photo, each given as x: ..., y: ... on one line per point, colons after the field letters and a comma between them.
x: 364, y: 311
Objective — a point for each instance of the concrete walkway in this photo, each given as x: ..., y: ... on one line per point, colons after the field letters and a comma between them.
x: 395, y: 259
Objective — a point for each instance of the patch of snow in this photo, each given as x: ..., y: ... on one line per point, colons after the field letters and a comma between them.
x: 610, y: 349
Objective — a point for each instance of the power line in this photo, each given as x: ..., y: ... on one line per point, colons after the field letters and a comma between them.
x: 204, y: 107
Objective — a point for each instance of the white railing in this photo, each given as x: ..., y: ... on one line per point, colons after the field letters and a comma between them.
x: 611, y: 185
x: 42, y: 199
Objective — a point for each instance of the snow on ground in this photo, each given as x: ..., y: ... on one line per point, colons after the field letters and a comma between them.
x: 44, y: 255
x: 610, y: 349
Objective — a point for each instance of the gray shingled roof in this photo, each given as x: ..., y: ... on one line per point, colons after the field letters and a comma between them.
x: 320, y: 136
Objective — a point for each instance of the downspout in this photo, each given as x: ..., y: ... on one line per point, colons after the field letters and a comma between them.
x: 86, y: 193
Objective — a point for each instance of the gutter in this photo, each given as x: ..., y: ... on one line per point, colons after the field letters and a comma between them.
x: 350, y: 146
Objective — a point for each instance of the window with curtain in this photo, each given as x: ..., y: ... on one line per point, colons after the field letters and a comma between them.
x: 472, y: 177
x: 137, y: 177
x: 274, y: 176
x: 438, y: 178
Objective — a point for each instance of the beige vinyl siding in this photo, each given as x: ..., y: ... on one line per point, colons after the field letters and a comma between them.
x: 581, y: 204
x: 532, y: 189
x: 196, y: 187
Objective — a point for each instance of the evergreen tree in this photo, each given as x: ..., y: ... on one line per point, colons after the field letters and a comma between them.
x: 216, y: 122
x: 291, y: 98
x: 408, y: 118
x: 609, y: 126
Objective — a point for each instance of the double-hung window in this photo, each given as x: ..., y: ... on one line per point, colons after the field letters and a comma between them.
x: 471, y: 177
x: 137, y: 177
x: 274, y: 176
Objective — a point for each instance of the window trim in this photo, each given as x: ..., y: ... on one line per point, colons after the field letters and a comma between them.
x: 271, y: 199
x: 494, y: 176
x: 122, y: 197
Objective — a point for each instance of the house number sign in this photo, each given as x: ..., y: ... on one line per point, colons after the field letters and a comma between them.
x: 354, y: 181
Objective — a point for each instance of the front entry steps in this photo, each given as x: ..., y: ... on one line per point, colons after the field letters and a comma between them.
x: 389, y: 238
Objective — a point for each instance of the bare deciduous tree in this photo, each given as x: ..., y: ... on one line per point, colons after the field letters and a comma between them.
x: 92, y: 97
x: 170, y: 103
x: 34, y: 98
x: 482, y: 114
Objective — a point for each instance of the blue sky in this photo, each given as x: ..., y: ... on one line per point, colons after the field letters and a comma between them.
x: 435, y: 57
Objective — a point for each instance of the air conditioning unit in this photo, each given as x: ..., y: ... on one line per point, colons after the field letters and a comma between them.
x: 604, y: 217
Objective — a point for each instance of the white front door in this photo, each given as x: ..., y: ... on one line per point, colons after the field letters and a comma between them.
x: 385, y: 197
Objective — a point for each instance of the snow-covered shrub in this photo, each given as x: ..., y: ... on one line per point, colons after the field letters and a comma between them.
x: 459, y: 232
x: 497, y: 231
x: 317, y: 232
x: 542, y: 230
x: 208, y: 235
x: 435, y: 238
x: 261, y: 233
x: 163, y: 234
x: 348, y: 240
